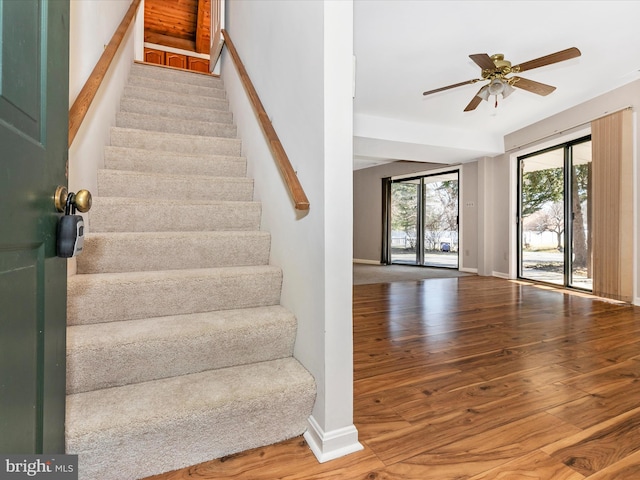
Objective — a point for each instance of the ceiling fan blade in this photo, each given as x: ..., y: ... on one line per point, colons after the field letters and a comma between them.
x: 473, y: 104
x: 533, y: 86
x: 483, y: 61
x: 451, y: 86
x: 560, y: 56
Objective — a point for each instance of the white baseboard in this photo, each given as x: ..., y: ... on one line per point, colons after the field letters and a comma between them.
x: 362, y: 260
x: 328, y: 446
x: 468, y: 270
x: 501, y: 275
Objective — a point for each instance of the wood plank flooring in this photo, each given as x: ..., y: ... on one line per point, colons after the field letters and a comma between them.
x: 481, y: 379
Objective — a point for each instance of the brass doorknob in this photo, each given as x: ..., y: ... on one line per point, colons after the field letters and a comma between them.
x: 81, y: 200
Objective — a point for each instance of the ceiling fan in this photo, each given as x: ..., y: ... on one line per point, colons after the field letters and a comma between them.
x: 495, y: 70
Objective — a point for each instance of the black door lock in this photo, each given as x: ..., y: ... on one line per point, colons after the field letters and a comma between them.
x: 70, y: 235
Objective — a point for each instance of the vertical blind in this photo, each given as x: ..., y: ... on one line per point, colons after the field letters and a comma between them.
x: 612, y: 150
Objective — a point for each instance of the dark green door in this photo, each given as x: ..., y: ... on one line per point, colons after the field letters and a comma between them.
x: 34, y: 65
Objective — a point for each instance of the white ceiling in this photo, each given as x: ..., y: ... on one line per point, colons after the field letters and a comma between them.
x: 405, y: 47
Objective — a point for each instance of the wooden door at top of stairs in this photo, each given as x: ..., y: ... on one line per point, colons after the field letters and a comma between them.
x: 34, y: 93
x: 217, y: 19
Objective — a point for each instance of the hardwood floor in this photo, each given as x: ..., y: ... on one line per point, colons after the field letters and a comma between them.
x: 477, y: 378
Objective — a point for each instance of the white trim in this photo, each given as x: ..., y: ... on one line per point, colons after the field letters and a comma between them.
x: 368, y: 262
x: 429, y: 173
x: 552, y: 141
x: 468, y: 270
x: 138, y: 36
x: 501, y: 275
x: 328, y: 446
x: 512, y: 253
x: 164, y: 48
x: 557, y: 136
x: 461, y: 219
x: 636, y: 222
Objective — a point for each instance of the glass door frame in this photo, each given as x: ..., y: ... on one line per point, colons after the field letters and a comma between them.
x: 567, y: 280
x: 420, y: 220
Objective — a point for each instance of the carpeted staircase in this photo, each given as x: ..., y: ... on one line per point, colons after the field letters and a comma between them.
x: 178, y: 350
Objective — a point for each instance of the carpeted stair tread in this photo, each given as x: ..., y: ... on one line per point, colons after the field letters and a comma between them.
x: 121, y: 183
x: 175, y: 75
x: 176, y: 98
x: 112, y: 297
x: 175, y: 142
x: 162, y: 109
x: 111, y: 354
x: 164, y: 86
x: 125, y: 214
x: 139, y: 430
x: 164, y: 124
x: 125, y: 158
x: 138, y: 251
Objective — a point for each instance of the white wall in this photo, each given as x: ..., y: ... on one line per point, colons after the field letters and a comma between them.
x: 498, y: 217
x: 299, y: 57
x: 468, y: 221
x: 484, y: 245
x: 92, y: 24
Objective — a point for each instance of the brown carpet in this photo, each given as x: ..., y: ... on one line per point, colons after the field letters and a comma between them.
x: 366, y: 274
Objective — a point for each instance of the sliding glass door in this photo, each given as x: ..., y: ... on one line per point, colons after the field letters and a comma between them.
x: 440, y: 214
x: 405, y: 216
x: 554, y: 215
x: 580, y: 232
x: 424, y: 220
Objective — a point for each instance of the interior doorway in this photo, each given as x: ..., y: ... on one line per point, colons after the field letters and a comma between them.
x: 424, y: 219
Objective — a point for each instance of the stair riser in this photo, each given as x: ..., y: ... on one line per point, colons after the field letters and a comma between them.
x: 211, y: 421
x: 122, y: 158
x: 112, y: 253
x: 135, y: 91
x: 184, y: 442
x: 168, y: 74
x: 115, y: 297
x: 164, y: 86
x: 173, y: 346
x: 121, y: 137
x: 169, y: 125
x: 136, y: 105
x: 179, y: 187
x: 128, y: 215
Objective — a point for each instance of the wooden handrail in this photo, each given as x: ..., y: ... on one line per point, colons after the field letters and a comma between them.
x: 282, y: 160
x: 80, y: 107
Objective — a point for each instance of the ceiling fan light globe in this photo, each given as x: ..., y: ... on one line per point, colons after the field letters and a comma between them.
x: 508, y: 90
x: 496, y: 87
x: 484, y: 93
